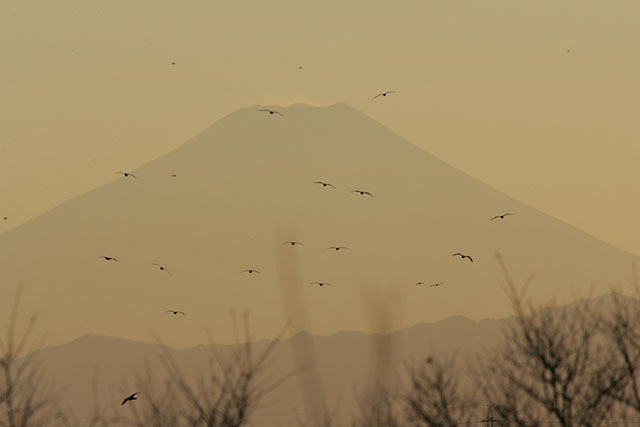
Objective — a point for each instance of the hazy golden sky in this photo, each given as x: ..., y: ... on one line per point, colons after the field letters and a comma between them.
x: 88, y: 88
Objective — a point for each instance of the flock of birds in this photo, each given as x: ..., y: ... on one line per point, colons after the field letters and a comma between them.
x: 323, y: 184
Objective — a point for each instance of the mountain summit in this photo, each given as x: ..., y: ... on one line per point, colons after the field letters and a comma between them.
x: 243, y: 187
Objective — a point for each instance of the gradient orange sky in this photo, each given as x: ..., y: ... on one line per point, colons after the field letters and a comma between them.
x: 88, y: 88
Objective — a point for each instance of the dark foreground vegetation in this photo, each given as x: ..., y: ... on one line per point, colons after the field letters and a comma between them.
x: 575, y: 365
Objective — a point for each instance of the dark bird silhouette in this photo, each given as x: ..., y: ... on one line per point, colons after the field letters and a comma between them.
x: 173, y: 63
x: 161, y: 267
x: 384, y: 93
x: 362, y: 192
x: 108, y: 258
x: 4, y: 218
x: 424, y: 284
x: 271, y: 111
x: 176, y: 312
x: 435, y: 285
x: 250, y: 271
x: 324, y: 184
x: 132, y: 397
x: 300, y: 67
x: 462, y: 256
x: 292, y: 243
x: 126, y: 174
x: 173, y: 175
x: 337, y: 248
x: 500, y: 216
x: 321, y: 283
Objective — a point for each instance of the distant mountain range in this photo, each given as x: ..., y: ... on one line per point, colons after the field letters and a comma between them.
x: 104, y: 370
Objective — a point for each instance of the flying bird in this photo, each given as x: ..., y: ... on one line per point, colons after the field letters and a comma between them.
x: 337, y: 248
x: 462, y: 256
x: 173, y: 175
x: 4, y: 218
x: 250, y: 271
x: 126, y: 174
x: 384, y: 93
x: 176, y: 312
x: 271, y: 111
x: 161, y: 267
x: 292, y: 243
x: 419, y: 284
x: 108, y: 258
x: 300, y: 67
x: 321, y: 283
x: 435, y: 285
x: 501, y: 216
x: 324, y: 184
x: 362, y: 192
x: 132, y: 397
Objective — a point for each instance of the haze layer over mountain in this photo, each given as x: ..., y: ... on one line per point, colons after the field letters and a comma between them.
x: 242, y: 188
